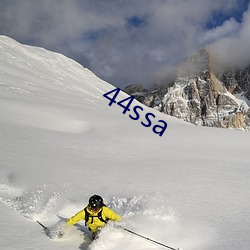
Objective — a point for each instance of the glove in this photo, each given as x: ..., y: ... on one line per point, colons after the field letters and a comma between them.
x: 60, y: 234
x: 62, y: 229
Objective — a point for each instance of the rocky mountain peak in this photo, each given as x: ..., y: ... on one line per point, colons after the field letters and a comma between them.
x: 200, y: 96
x: 194, y: 65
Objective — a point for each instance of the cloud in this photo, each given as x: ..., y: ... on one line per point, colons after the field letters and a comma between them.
x: 228, y: 28
x: 121, y: 41
x: 233, y: 49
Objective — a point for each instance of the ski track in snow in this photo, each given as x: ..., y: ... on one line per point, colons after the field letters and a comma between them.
x: 145, y: 214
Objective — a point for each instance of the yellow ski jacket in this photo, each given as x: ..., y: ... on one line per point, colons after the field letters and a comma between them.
x: 94, y: 223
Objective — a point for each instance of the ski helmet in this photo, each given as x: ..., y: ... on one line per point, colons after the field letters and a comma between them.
x: 95, y: 202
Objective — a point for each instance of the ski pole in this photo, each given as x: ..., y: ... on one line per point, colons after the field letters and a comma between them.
x: 45, y: 228
x: 146, y: 238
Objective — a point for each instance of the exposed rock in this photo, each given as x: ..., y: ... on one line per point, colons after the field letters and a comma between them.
x: 237, y: 81
x: 201, y: 97
x: 137, y: 90
x: 134, y: 88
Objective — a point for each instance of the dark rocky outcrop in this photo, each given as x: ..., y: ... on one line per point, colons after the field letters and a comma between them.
x: 200, y: 96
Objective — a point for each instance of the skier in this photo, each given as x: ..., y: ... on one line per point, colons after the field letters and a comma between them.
x: 95, y: 214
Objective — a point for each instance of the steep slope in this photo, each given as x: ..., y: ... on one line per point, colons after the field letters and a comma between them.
x: 61, y: 142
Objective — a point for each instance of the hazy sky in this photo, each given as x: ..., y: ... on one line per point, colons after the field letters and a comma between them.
x: 131, y: 41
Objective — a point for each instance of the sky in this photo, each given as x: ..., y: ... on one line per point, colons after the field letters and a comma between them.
x: 132, y: 41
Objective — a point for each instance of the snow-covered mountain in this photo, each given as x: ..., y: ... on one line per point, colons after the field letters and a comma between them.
x: 61, y: 142
x: 201, y: 95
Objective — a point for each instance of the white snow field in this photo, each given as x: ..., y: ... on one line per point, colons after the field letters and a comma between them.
x: 61, y: 142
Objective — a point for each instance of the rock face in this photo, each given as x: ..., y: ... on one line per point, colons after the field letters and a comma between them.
x: 201, y: 97
x: 237, y: 81
x: 137, y: 90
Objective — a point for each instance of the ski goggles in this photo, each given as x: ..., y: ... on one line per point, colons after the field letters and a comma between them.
x: 94, y: 208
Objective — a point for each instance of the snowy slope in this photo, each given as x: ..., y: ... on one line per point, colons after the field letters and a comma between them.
x: 61, y: 142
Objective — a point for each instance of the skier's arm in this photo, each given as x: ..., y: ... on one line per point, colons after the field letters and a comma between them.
x: 77, y: 217
x: 110, y: 214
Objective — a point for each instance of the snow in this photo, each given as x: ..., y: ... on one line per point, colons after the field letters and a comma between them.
x: 242, y: 99
x: 61, y: 142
